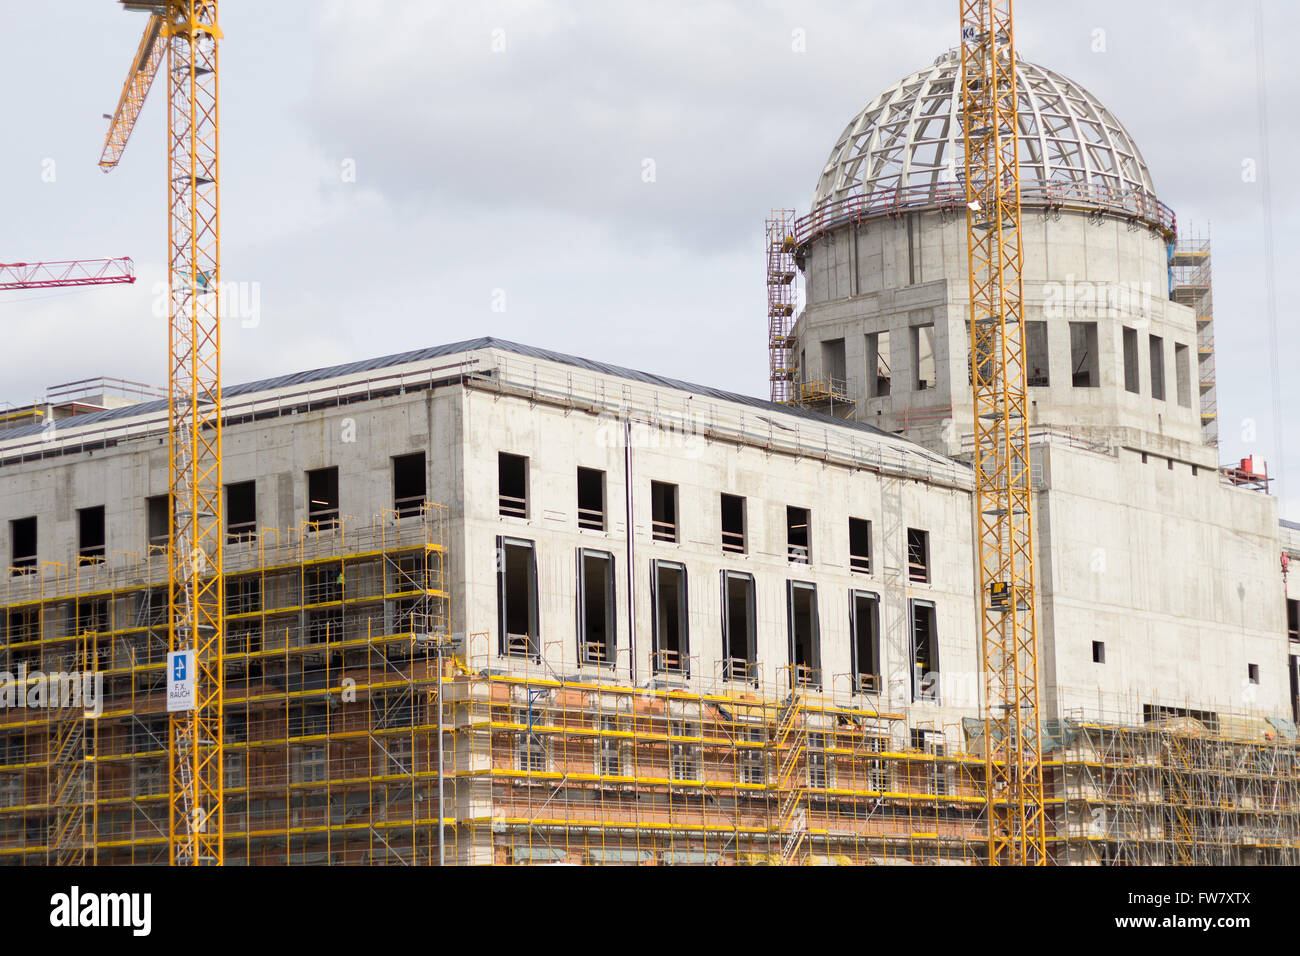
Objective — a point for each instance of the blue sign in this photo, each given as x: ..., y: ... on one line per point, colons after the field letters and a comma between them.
x: 180, y: 681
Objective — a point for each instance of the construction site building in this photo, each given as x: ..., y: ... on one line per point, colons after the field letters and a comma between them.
x: 754, y: 674
x: 488, y: 603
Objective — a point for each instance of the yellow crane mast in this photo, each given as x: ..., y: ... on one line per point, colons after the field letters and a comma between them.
x: 1004, y: 533
x: 186, y: 31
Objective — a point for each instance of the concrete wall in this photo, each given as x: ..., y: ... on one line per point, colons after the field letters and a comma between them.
x: 360, y: 439
x: 462, y: 429
x: 557, y: 441
x: 895, y: 274
x: 1175, y: 572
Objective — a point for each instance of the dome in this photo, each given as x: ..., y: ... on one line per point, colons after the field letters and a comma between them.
x: 909, y: 139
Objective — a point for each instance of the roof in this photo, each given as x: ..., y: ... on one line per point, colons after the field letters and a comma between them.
x: 911, y: 137
x: 456, y: 348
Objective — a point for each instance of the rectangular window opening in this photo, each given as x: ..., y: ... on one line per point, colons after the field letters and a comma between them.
x: 157, y: 517
x: 241, y: 512
x: 410, y: 486
x: 923, y: 358
x: 517, y: 598
x: 860, y: 545
x: 1252, y: 673
x: 609, y: 759
x: 1099, y: 652
x: 90, y: 535
x: 798, y: 534
x: 1294, y: 661
x: 739, y: 628
x: 821, y: 765
x: 243, y: 594
x: 878, y: 374
x: 925, y: 652
x: 1084, y: 365
x: 591, y: 499
x: 596, y: 637
x: 753, y: 760
x: 1036, y: 365
x: 733, y: 524
x: 323, y: 497
x: 92, y: 615
x: 805, y: 636
x: 686, y: 759
x: 918, y: 556
x: 322, y: 583
x: 22, y: 545
x: 834, y: 367
x: 1132, y: 377
x: 663, y: 511
x: 1156, y: 347
x: 1293, y: 619
x: 532, y: 753
x: 512, y: 485
x: 864, y: 612
x: 940, y: 778
x: 670, y: 627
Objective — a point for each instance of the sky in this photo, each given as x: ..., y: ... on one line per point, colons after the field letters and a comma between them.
x: 402, y: 174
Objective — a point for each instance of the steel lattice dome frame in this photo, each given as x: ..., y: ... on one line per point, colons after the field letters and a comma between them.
x: 905, y: 149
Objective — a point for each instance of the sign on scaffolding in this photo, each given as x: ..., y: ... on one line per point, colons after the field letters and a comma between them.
x: 180, y: 681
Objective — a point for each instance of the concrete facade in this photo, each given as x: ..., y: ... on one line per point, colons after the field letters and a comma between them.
x: 1145, y: 558
x: 895, y: 275
x: 500, y: 400
x: 1172, y: 572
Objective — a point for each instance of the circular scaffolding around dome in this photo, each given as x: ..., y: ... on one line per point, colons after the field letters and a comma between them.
x: 905, y: 150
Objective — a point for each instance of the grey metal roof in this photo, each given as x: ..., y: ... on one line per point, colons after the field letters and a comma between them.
x: 469, y: 345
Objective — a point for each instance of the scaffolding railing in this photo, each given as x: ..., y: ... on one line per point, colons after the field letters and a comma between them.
x: 332, y: 709
x: 782, y: 271
x: 1136, y: 206
x: 359, y: 729
x: 1191, y: 284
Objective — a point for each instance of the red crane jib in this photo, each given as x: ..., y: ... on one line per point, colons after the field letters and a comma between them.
x: 74, y: 272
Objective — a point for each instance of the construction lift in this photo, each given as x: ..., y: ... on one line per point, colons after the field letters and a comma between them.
x: 186, y: 33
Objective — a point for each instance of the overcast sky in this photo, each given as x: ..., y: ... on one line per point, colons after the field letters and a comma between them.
x: 498, y: 151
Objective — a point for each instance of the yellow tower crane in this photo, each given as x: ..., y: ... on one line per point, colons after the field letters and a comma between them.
x: 186, y: 33
x: 1004, y: 534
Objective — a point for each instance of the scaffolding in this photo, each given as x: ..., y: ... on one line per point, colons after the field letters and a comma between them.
x: 781, y: 273
x: 360, y: 731
x: 1190, y: 285
x: 829, y: 395
x: 70, y: 779
x: 585, y: 769
x: 336, y: 637
x: 1178, y: 790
